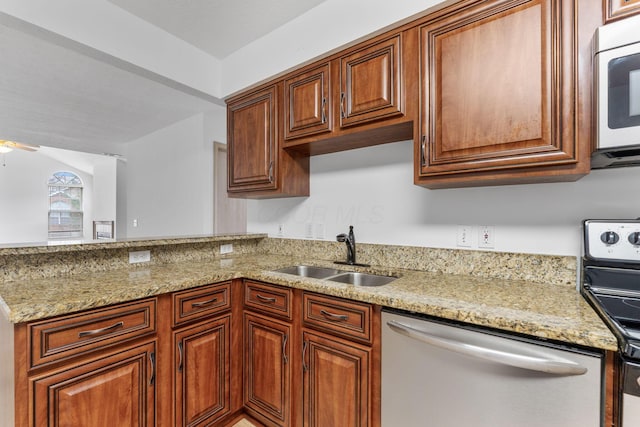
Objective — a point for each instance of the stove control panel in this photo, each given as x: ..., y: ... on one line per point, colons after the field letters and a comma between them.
x: 617, y: 240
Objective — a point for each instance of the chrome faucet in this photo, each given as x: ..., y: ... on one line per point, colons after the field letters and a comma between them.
x: 350, y: 240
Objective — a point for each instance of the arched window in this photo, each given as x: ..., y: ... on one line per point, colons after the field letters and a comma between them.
x: 65, y: 206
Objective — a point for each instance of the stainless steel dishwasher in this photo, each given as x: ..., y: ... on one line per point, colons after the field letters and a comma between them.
x: 448, y: 375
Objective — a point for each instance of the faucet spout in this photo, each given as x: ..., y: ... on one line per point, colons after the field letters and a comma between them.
x: 350, y: 241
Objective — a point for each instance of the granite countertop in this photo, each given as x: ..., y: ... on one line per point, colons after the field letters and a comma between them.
x: 540, y: 310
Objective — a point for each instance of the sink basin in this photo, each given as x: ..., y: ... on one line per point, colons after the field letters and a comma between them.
x: 362, y: 279
x: 309, y: 271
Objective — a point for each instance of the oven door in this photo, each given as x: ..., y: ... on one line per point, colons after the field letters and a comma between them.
x: 618, y: 91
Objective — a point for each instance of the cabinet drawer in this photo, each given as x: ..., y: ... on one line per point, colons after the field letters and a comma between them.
x: 196, y: 304
x: 63, y: 337
x: 268, y: 298
x: 346, y: 318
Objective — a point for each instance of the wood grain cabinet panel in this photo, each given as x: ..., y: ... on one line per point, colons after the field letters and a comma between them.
x: 370, y: 83
x: 335, y: 315
x: 616, y: 9
x: 336, y: 383
x: 202, y: 372
x: 267, y: 368
x: 257, y: 165
x: 272, y: 299
x: 116, y: 390
x: 63, y: 337
x: 307, y: 103
x: 499, y: 94
x: 197, y: 304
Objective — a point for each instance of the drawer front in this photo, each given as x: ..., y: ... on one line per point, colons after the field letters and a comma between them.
x: 63, y: 337
x: 268, y: 298
x: 335, y: 315
x: 196, y: 304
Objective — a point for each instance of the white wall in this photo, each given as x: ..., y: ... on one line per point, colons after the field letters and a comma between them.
x: 170, y: 179
x: 372, y: 189
x: 24, y: 196
x: 329, y: 25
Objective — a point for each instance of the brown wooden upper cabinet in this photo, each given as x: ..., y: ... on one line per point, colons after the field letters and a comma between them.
x: 615, y: 9
x: 499, y: 96
x: 257, y: 165
x: 307, y: 98
x: 355, y: 98
x: 370, y: 83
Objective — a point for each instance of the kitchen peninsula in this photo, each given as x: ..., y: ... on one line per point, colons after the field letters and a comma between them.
x: 533, y: 295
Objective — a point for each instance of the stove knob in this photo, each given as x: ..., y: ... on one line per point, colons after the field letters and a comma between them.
x: 634, y: 238
x: 609, y: 237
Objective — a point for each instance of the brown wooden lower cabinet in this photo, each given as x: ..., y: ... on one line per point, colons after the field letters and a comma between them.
x: 336, y: 382
x: 267, y: 369
x: 114, y: 390
x: 202, y: 375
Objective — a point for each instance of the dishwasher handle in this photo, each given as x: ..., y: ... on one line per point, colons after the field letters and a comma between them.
x: 553, y: 365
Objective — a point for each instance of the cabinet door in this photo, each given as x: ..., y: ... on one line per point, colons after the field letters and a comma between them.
x: 370, y: 83
x: 117, y: 390
x: 306, y: 109
x: 252, y: 136
x: 202, y: 376
x: 267, y: 370
x: 498, y: 88
x: 336, y: 383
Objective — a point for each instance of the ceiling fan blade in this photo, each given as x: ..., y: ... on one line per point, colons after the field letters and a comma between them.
x: 18, y: 145
x: 26, y: 147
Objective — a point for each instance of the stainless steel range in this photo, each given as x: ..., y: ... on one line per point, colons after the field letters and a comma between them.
x: 611, y: 284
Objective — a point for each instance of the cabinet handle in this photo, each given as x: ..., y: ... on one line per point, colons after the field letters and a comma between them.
x: 342, y: 114
x: 333, y: 316
x: 423, y: 149
x: 271, y: 171
x: 180, y: 353
x: 116, y: 325
x: 324, y: 112
x: 284, y: 349
x: 203, y: 303
x: 152, y: 360
x: 305, y: 368
x: 265, y: 299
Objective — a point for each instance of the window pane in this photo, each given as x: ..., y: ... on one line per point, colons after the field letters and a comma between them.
x: 65, y: 224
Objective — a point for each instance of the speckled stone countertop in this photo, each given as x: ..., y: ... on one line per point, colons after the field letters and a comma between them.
x: 537, y: 309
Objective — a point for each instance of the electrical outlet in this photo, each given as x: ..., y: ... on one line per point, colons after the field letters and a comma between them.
x: 135, y: 222
x: 308, y: 230
x: 486, y: 235
x: 139, y: 256
x: 464, y: 236
x: 226, y: 249
x: 280, y: 230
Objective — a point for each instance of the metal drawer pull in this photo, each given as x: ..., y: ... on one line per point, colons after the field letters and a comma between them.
x: 333, y: 316
x: 284, y: 349
x: 305, y: 368
x: 265, y: 299
x: 180, y: 353
x: 152, y: 360
x: 117, y: 325
x: 203, y: 303
x: 551, y: 365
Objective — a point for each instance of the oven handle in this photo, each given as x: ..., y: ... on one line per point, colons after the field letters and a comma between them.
x: 554, y: 366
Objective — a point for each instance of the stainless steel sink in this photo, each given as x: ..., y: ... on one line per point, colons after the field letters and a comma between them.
x: 309, y: 271
x: 362, y: 279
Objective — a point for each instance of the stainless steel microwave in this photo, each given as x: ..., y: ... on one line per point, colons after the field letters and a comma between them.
x: 617, y: 89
